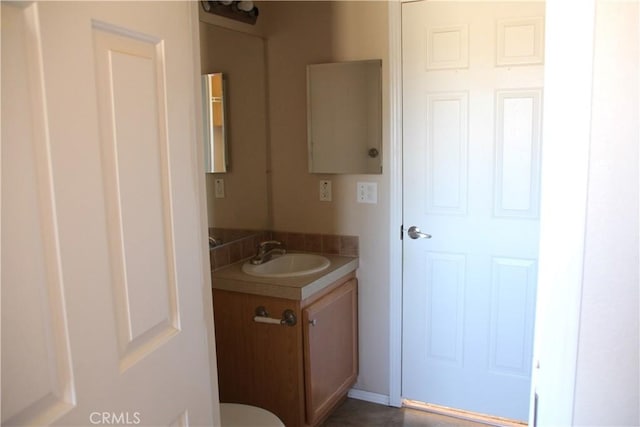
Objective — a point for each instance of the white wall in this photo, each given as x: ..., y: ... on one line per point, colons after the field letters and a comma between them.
x: 586, y: 349
x: 608, y: 369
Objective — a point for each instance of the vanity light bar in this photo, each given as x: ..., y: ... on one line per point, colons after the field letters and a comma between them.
x: 243, y: 11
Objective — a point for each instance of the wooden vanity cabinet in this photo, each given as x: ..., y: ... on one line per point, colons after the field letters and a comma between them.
x: 301, y: 372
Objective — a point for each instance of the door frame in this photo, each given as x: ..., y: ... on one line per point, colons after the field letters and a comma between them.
x: 395, y: 203
x: 561, y: 255
x: 207, y: 295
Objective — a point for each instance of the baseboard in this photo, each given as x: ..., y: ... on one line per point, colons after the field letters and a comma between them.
x: 381, y: 399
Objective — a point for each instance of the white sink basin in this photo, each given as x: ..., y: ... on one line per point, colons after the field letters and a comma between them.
x: 288, y: 265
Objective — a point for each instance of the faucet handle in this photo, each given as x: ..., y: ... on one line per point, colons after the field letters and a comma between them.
x: 266, y: 246
x: 266, y: 249
x: 269, y: 243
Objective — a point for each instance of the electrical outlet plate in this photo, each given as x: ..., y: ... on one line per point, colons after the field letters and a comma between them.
x: 325, y: 190
x: 219, y: 188
x: 367, y: 192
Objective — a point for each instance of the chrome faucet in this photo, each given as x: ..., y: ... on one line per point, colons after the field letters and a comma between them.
x: 266, y: 250
x: 213, y: 242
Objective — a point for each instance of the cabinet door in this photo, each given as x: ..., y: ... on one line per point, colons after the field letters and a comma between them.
x: 330, y: 349
x: 259, y: 364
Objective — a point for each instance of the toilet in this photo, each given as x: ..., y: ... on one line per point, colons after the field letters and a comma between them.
x: 237, y: 415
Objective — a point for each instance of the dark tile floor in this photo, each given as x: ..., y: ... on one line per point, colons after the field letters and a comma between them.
x: 355, y: 412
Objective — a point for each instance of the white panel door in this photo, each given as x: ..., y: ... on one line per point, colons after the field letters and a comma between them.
x: 472, y: 97
x: 106, y: 304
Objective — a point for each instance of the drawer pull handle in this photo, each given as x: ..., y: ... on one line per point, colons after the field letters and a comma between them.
x: 262, y: 316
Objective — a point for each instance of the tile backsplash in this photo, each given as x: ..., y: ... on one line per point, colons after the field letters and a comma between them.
x: 245, y: 243
x: 320, y: 243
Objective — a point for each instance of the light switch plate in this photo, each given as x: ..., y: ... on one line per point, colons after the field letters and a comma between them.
x: 367, y: 192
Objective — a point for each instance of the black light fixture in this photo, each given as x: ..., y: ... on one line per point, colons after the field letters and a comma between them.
x: 243, y: 11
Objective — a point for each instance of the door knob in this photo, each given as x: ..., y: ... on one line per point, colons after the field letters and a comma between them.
x: 415, y: 233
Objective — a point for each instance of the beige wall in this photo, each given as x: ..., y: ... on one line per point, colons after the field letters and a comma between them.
x: 241, y: 57
x: 301, y: 33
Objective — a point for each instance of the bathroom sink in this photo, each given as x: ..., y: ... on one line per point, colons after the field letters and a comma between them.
x: 288, y: 265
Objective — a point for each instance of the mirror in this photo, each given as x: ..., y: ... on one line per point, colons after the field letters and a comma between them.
x: 214, y: 113
x: 344, y: 117
x: 238, y: 200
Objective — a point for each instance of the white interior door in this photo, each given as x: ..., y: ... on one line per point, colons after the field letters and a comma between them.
x: 106, y: 305
x: 472, y: 92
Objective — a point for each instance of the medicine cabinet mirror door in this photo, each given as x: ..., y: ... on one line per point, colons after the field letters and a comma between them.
x: 344, y: 117
x: 215, y: 119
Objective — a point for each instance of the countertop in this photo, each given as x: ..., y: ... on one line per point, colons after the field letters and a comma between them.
x: 232, y: 278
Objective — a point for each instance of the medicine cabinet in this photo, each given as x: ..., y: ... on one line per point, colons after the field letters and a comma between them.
x: 344, y: 117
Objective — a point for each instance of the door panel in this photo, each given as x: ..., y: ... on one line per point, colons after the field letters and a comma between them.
x: 132, y: 119
x: 447, y: 144
x: 103, y: 239
x: 517, y: 171
x: 512, y: 291
x: 472, y: 78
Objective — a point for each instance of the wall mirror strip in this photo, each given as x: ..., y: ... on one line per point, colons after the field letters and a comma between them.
x: 238, y: 198
x: 214, y: 111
